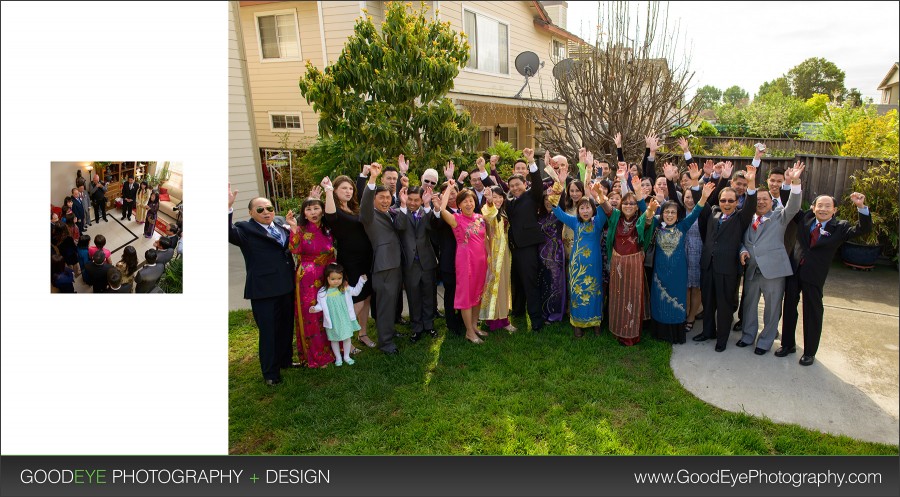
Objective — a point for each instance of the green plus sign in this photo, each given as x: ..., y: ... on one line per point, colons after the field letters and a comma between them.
x: 254, y: 477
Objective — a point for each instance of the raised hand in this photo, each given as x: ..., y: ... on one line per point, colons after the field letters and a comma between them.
x: 404, y: 181
x: 547, y: 159
x: 719, y: 168
x: 291, y: 219
x: 582, y: 155
x: 652, y: 142
x: 708, y: 167
x: 859, y: 199
x: 622, y: 170
x: 695, y: 172
x: 232, y: 194
x: 670, y: 171
x: 589, y: 160
x: 796, y: 171
x: 760, y: 150
x: 463, y: 175
x: 551, y: 172
x: 707, y: 191
x: 494, y: 160
x: 402, y: 197
x: 683, y: 143
x: 479, y: 163
x: 727, y: 169
x: 326, y: 184
x: 315, y: 193
x: 449, y: 169
x: 375, y: 169
x: 618, y: 140
x: 751, y: 176
x: 598, y: 193
x: 529, y: 155
x: 636, y: 185
x: 427, y: 195
x: 651, y: 208
x: 366, y: 168
x: 402, y: 164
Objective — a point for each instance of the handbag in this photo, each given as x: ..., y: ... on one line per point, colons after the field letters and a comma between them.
x: 650, y: 253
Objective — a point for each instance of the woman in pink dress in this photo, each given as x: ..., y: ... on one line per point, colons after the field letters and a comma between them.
x: 470, y: 231
x: 312, y: 243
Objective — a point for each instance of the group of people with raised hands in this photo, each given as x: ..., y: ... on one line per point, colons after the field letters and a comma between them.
x: 619, y: 247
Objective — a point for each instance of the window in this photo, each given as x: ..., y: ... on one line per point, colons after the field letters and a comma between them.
x: 510, y: 134
x: 285, y: 122
x: 279, y: 36
x: 557, y: 51
x: 485, y: 138
x: 488, y: 43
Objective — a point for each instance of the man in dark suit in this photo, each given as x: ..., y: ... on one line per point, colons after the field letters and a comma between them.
x: 446, y: 242
x: 98, y: 198
x: 419, y: 261
x: 819, y: 235
x: 96, y: 272
x: 377, y: 218
x: 114, y: 277
x: 525, y: 236
x: 165, y: 252
x: 129, y: 194
x: 78, y: 210
x: 719, y: 264
x: 148, y: 277
x: 270, y: 281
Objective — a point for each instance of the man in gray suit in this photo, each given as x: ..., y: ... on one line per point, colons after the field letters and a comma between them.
x: 377, y: 218
x: 767, y: 264
x: 147, y: 278
x: 419, y: 261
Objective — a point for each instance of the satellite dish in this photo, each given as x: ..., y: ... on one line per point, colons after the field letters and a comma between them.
x: 564, y: 69
x: 528, y: 63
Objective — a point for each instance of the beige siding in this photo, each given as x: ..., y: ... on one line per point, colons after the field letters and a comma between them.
x: 273, y: 85
x: 243, y: 156
x: 339, y: 19
x: 523, y: 36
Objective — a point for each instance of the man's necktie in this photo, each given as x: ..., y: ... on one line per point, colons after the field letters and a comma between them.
x: 416, y: 219
x: 274, y: 233
x: 814, y: 236
x: 756, y: 223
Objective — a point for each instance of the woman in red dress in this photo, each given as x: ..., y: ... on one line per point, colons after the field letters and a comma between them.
x: 312, y: 243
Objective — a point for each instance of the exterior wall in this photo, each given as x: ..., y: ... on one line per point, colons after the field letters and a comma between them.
x: 243, y: 155
x: 889, y: 92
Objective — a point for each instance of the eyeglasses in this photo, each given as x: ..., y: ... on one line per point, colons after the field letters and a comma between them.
x: 429, y: 182
x: 259, y: 210
x: 726, y: 201
x: 629, y: 203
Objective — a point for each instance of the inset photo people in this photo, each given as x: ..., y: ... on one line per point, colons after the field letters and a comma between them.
x: 116, y: 227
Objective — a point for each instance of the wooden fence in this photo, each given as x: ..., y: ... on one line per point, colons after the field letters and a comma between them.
x: 817, y: 147
x: 824, y: 175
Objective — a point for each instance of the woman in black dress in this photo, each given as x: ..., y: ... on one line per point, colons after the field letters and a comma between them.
x: 354, y: 251
x: 152, y: 211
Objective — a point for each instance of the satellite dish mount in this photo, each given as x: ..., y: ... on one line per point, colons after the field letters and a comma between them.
x: 528, y: 64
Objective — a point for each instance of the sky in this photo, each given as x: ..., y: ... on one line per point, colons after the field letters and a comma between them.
x: 749, y: 43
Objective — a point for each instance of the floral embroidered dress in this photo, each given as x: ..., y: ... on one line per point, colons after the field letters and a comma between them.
x: 314, y: 250
x: 668, y: 287
x: 585, y: 269
x: 552, y: 279
x: 496, y: 300
x: 471, y: 260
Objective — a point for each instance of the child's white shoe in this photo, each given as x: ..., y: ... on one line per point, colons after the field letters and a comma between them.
x: 338, y: 362
x: 349, y: 361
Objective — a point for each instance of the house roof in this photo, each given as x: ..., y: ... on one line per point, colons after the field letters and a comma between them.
x: 889, y: 74
x: 543, y: 21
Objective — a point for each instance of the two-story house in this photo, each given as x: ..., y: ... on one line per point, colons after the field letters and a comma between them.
x: 279, y: 37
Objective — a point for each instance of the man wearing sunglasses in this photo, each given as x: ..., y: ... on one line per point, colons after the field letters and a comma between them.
x: 270, y: 281
x: 724, y: 226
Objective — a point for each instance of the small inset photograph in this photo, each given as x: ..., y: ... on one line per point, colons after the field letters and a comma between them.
x: 116, y: 227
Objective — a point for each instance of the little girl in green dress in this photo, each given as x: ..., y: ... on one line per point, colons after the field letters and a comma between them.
x: 335, y: 301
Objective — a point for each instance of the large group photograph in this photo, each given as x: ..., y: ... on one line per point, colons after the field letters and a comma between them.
x: 460, y: 228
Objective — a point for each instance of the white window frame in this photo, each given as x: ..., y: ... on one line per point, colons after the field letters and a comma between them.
x: 509, y: 62
x: 565, y: 46
x: 291, y: 12
x: 508, y: 127
x: 272, y: 127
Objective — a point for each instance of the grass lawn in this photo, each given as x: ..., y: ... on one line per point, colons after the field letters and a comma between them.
x: 524, y: 393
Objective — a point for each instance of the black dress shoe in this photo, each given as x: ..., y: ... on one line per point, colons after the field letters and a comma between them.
x: 272, y: 383
x: 742, y: 343
x: 700, y: 338
x: 402, y: 320
x: 759, y: 351
x: 433, y: 333
x: 720, y: 348
x: 413, y: 338
x: 807, y: 360
x: 392, y: 352
x: 739, y: 326
x: 783, y: 352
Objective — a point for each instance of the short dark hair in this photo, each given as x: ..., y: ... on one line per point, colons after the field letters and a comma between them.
x: 381, y: 188
x: 740, y: 174
x: 100, y: 241
x: 150, y: 255
x: 414, y: 190
x: 174, y: 228
x: 114, y: 276
x: 464, y: 194
x: 57, y: 264
x: 516, y: 176
x: 777, y: 170
x: 165, y: 243
x: 520, y: 160
x: 389, y: 169
x: 99, y: 257
x: 585, y: 200
x: 84, y: 241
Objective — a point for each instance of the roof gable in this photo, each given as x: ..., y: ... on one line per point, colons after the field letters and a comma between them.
x: 889, y: 74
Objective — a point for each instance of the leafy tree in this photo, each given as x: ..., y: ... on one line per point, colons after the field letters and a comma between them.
x: 779, y: 85
x: 839, y: 117
x: 706, y: 129
x: 873, y: 137
x: 385, y: 94
x: 816, y: 75
x: 854, y: 97
x: 879, y: 183
x: 708, y: 96
x: 735, y: 95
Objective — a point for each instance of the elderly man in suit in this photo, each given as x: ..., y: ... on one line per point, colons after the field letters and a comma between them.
x: 719, y: 265
x: 270, y: 281
x: 767, y: 264
x: 819, y: 235
x: 525, y: 237
x: 419, y: 261
x: 376, y: 216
